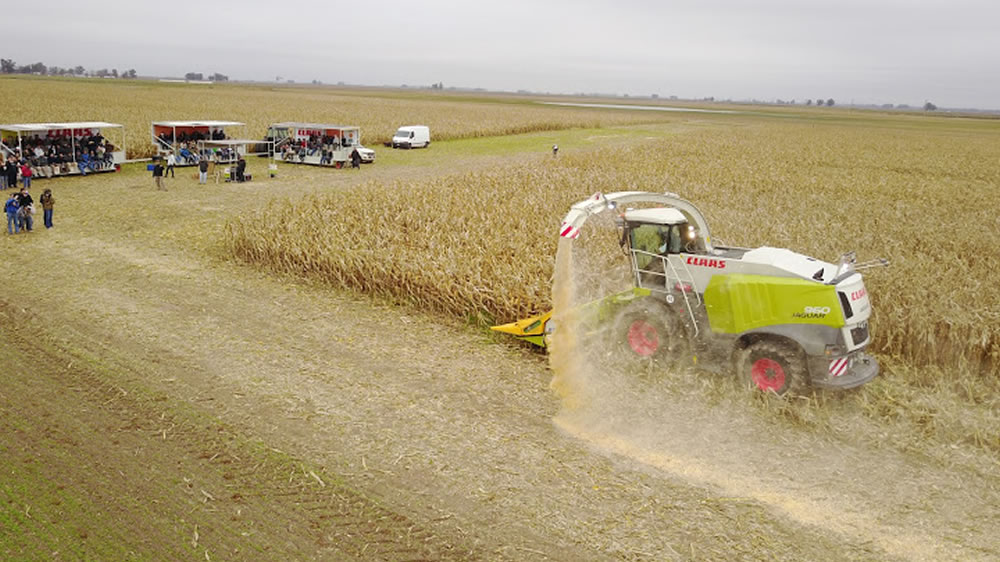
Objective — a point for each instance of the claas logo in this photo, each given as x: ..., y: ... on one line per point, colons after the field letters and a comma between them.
x: 706, y: 262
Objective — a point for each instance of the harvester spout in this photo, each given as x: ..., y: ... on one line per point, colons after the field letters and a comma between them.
x: 599, y: 202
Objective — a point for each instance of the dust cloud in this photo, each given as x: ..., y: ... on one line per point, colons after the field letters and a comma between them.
x: 659, y: 419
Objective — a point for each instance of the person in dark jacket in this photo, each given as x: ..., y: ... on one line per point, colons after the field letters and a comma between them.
x: 355, y: 159
x: 241, y: 167
x: 11, y: 170
x: 25, y: 202
x: 203, y: 171
x: 158, y: 176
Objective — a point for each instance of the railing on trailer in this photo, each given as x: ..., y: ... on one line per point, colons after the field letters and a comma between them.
x: 673, y: 278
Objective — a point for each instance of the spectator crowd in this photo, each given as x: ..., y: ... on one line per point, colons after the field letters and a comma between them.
x: 297, y: 149
x: 20, y: 210
x: 53, y: 156
x: 187, y: 146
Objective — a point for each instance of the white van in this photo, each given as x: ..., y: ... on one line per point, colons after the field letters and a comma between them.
x: 412, y: 136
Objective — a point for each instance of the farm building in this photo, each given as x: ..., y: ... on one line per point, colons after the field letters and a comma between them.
x: 58, y: 149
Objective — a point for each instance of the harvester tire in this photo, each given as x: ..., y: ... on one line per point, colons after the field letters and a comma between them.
x: 777, y: 367
x: 650, y: 331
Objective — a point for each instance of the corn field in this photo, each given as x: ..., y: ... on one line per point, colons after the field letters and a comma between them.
x: 481, y: 245
x: 135, y: 104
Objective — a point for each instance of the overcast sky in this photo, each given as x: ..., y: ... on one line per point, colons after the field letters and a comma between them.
x: 874, y: 51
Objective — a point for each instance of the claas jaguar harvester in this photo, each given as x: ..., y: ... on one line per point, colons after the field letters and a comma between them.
x: 782, y: 320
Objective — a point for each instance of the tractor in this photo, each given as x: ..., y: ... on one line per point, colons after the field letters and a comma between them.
x: 783, y: 321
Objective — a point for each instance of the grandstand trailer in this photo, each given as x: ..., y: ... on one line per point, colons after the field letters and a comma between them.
x: 73, y: 143
x: 332, y: 145
x: 181, y: 138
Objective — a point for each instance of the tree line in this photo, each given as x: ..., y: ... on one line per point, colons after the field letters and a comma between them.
x: 8, y: 66
x: 215, y: 77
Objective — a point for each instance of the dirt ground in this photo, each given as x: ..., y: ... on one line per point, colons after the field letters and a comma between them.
x: 160, y: 402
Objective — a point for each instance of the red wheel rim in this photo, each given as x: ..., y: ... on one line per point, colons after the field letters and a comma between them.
x: 767, y: 374
x: 643, y: 338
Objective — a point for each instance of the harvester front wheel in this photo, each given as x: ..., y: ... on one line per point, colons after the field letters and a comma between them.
x: 773, y: 366
x: 649, y: 331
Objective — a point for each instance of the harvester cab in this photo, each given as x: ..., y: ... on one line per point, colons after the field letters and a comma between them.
x: 782, y: 320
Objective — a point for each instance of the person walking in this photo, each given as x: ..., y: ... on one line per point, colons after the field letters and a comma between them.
x: 203, y: 171
x: 48, y: 203
x: 171, y: 162
x: 11, y: 208
x: 158, y: 176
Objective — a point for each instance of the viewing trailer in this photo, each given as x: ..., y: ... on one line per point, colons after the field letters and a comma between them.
x: 71, y: 141
x: 337, y: 142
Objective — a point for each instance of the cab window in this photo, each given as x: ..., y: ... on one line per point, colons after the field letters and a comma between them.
x: 647, y: 239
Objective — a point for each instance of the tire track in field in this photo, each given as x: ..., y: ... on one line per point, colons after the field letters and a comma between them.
x: 180, y: 482
x: 866, y: 497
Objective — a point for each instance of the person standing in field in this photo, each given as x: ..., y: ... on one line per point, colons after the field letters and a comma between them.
x: 158, y: 176
x: 26, y: 174
x: 11, y: 169
x: 26, y: 209
x: 203, y: 171
x: 171, y: 162
x: 48, y: 204
x: 11, y: 208
x: 355, y: 159
x: 555, y: 150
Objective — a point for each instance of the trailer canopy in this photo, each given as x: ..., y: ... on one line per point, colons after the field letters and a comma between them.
x: 291, y: 130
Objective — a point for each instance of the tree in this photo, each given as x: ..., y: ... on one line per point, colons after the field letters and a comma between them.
x: 7, y: 66
x: 218, y: 77
x: 114, y: 73
x: 809, y: 102
x: 102, y: 73
x: 79, y: 70
x: 929, y: 106
x: 819, y: 102
x: 829, y: 102
x: 130, y: 73
x: 193, y: 76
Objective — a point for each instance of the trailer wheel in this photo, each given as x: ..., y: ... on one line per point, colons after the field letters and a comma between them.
x: 774, y: 367
x: 646, y: 330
